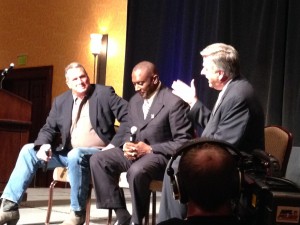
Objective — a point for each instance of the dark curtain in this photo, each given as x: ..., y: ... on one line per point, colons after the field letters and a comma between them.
x: 171, y: 33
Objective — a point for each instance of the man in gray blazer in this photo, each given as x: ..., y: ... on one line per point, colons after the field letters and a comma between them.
x: 237, y: 116
x: 161, y: 124
x: 85, y: 117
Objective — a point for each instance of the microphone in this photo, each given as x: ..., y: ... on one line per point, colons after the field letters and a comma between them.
x: 8, y: 70
x: 47, y: 149
x: 133, y: 131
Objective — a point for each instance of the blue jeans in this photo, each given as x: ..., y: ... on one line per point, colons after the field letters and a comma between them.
x: 77, y: 161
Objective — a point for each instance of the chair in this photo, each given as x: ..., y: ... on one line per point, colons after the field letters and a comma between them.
x: 60, y: 174
x: 278, y: 142
x: 155, y: 186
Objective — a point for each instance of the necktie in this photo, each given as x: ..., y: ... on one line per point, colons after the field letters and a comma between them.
x: 146, y: 107
x: 80, y: 108
x: 83, y: 101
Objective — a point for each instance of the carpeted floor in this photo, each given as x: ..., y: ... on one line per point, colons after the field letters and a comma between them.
x: 34, y: 210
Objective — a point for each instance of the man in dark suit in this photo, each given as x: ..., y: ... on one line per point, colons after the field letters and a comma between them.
x: 85, y: 117
x: 237, y: 116
x: 161, y: 127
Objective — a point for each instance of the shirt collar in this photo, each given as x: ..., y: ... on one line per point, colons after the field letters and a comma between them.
x: 150, y: 100
x: 224, y: 88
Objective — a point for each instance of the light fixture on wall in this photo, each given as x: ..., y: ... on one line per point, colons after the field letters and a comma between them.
x: 96, y: 41
x: 99, y: 50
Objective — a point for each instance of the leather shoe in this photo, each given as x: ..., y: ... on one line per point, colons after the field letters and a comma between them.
x: 10, y: 217
x: 9, y: 213
x: 74, y: 219
x: 127, y: 222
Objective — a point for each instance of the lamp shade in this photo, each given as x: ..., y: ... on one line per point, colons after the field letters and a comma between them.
x: 96, y: 42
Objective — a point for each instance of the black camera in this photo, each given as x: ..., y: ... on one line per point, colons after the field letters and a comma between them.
x: 266, y: 197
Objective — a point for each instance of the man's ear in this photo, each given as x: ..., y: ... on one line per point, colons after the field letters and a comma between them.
x: 222, y: 76
x: 67, y: 83
x: 155, y: 78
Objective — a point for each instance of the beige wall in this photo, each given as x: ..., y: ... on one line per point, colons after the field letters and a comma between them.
x: 57, y: 32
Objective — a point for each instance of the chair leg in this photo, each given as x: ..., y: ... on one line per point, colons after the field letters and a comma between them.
x: 88, y: 206
x: 109, y: 217
x: 50, y: 201
x: 153, y: 207
x: 147, y: 217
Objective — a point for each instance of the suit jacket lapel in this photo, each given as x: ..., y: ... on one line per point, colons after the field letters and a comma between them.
x: 219, y: 103
x: 138, y: 115
x: 67, y: 112
x: 93, y: 107
x: 223, y: 96
x: 155, y: 108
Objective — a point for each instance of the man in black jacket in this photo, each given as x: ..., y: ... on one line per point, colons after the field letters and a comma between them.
x: 161, y: 127
x: 85, y: 117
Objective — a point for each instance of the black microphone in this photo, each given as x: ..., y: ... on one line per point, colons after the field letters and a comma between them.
x: 47, y: 149
x: 8, y: 70
x: 133, y: 131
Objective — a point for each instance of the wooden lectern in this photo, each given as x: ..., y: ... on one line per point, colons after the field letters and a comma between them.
x: 15, y: 121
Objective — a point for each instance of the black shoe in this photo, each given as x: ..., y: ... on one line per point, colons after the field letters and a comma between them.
x: 127, y: 222
x: 9, y: 213
x: 8, y: 205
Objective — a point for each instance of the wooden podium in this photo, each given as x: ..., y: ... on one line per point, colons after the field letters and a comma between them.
x: 15, y: 121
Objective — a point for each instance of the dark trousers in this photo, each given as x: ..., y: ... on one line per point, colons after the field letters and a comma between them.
x: 169, y: 207
x: 106, y: 167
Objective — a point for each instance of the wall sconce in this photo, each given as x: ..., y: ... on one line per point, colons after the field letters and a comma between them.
x: 96, y: 40
x: 99, y: 50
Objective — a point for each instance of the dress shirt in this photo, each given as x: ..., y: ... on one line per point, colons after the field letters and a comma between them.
x: 148, y: 101
x: 82, y: 132
x: 220, y: 97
